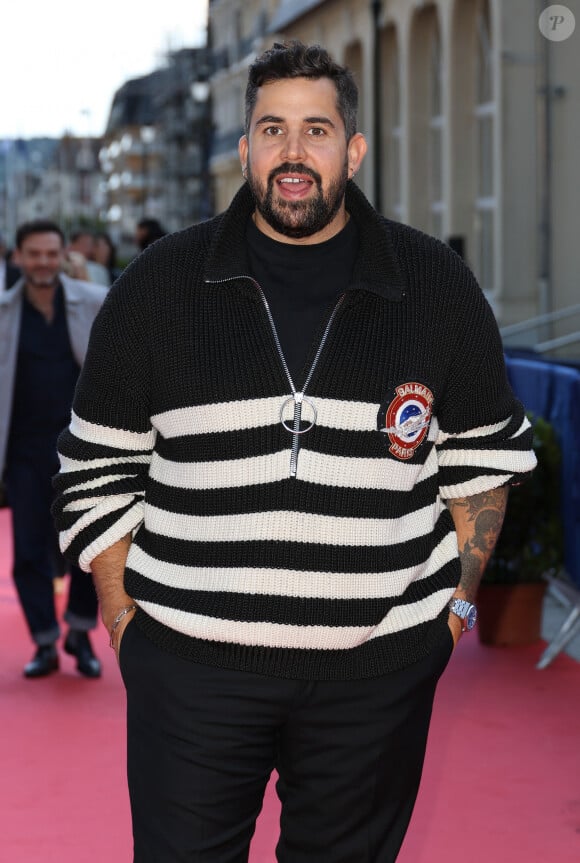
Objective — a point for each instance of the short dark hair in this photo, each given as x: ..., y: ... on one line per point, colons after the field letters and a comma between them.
x: 103, y: 235
x: 293, y: 59
x: 153, y: 230
x: 37, y: 226
x: 78, y: 233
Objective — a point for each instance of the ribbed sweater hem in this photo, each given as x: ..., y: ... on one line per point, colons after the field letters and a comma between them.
x: 374, y: 658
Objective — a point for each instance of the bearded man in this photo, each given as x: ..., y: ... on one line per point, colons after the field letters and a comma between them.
x: 282, y: 415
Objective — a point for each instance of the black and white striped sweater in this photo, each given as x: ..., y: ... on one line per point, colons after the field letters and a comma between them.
x: 314, y: 546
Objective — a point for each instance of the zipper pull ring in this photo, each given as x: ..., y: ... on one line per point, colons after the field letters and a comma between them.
x: 298, y: 400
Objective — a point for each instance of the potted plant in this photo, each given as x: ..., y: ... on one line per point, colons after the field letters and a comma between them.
x: 530, y: 546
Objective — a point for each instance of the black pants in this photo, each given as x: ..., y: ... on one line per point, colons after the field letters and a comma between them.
x: 36, y: 555
x: 203, y: 741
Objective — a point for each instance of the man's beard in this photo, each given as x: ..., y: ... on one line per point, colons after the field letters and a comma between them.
x: 298, y: 219
x: 42, y: 281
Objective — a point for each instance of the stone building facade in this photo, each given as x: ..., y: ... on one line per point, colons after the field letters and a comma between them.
x: 472, y: 118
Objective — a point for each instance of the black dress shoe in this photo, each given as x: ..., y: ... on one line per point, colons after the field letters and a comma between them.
x: 77, y: 644
x: 44, y: 662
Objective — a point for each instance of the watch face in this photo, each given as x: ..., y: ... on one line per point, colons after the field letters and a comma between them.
x: 471, y: 617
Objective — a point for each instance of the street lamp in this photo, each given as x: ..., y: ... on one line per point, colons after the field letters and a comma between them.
x: 201, y: 91
x: 376, y: 9
x: 147, y: 135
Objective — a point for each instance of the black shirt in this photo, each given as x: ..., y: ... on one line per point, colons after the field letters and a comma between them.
x: 301, y: 284
x: 46, y: 375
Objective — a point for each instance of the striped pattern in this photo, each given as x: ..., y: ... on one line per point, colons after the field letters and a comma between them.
x: 342, y: 571
x: 182, y: 492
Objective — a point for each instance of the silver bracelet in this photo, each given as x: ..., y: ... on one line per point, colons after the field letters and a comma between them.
x: 118, y: 620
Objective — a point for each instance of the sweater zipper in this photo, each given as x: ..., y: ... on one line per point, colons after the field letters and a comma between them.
x: 298, y: 397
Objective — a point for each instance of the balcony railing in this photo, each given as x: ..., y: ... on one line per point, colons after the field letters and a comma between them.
x: 535, y: 325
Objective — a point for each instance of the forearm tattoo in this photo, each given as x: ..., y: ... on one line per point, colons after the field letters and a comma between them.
x: 478, y: 521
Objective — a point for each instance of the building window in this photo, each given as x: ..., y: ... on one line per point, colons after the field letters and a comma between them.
x: 485, y: 112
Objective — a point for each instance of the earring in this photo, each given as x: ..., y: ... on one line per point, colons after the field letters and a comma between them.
x: 244, y: 169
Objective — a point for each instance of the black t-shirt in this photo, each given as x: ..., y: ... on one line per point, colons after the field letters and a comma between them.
x: 301, y: 284
x: 44, y: 385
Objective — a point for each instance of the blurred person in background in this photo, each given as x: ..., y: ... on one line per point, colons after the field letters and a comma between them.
x: 82, y: 262
x: 105, y: 253
x: 9, y: 274
x: 45, y: 321
x: 147, y: 231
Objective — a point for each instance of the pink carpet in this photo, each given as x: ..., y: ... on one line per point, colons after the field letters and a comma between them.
x: 501, y: 781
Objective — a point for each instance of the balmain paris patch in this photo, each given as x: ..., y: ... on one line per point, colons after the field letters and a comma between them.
x: 405, y: 418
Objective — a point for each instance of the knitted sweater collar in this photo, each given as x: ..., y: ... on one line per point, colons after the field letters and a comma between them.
x: 376, y: 268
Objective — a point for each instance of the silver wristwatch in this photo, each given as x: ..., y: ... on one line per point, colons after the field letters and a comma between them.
x: 466, y: 611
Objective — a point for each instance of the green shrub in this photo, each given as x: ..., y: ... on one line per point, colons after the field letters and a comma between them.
x: 531, y: 542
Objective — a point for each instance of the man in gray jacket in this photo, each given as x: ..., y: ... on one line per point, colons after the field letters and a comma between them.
x: 45, y: 321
